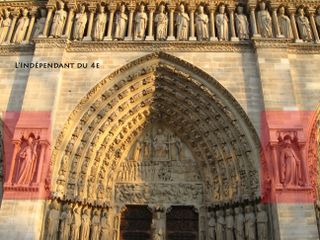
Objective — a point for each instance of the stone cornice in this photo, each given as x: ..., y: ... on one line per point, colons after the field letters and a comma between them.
x: 7, y: 50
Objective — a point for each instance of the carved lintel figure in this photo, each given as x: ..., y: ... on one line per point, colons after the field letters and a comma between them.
x: 229, y: 225
x: 264, y: 21
x: 121, y: 23
x: 81, y: 19
x: 76, y: 223
x: 40, y: 23
x: 202, y: 24
x: 21, y: 27
x: 66, y: 221
x: 95, y: 225
x: 222, y: 22
x: 290, y: 165
x: 250, y: 223
x: 85, y: 224
x: 28, y: 158
x: 239, y: 223
x: 211, y: 226
x: 161, y: 21
x: 100, y: 24
x: 262, y: 222
x: 141, y: 21
x: 242, y: 24
x: 285, y: 23
x: 304, y: 26
x: 53, y: 221
x: 220, y: 228
x: 59, y: 21
x: 5, y: 25
x: 105, y: 226
x: 182, y: 23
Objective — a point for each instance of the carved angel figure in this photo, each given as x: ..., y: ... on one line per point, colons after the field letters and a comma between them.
x: 222, y: 24
x: 21, y: 27
x: 80, y: 23
x: 202, y: 25
x: 161, y: 21
x: 242, y: 24
x: 141, y: 21
x: 285, y: 23
x: 5, y: 25
x: 121, y: 23
x: 59, y: 21
x: 99, y: 25
x: 264, y: 21
x: 182, y: 23
x: 304, y: 26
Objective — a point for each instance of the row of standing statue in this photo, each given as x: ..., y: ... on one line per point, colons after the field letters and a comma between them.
x: 186, y: 26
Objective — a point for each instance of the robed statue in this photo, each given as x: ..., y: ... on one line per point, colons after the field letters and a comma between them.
x: 59, y: 21
x: 21, y: 27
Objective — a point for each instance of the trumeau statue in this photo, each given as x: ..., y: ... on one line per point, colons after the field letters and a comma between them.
x: 304, y: 26
x: 161, y: 21
x: 284, y: 23
x: 66, y: 220
x: 262, y: 223
x: 85, y: 224
x: 100, y: 25
x: 141, y: 21
x: 222, y: 24
x: 242, y: 24
x: 202, y: 24
x: 229, y: 225
x: 250, y: 223
x: 211, y: 226
x: 80, y: 23
x: 76, y: 223
x: 220, y: 228
x: 59, y: 21
x: 239, y: 224
x: 5, y: 25
x: 121, y: 23
x: 182, y: 22
x: 28, y: 158
x: 264, y: 21
x: 53, y: 221
x: 21, y: 27
x: 95, y: 225
x: 39, y: 26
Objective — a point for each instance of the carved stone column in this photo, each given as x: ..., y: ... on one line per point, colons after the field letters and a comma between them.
x: 171, y: 36
x: 90, y: 24
x: 314, y: 26
x: 16, y: 149
x: 150, y: 36
x: 253, y: 22
x: 234, y: 37
x: 276, y: 21
x: 15, y: 15
x: 129, y: 36
x: 212, y: 23
x: 48, y: 21
x: 31, y: 25
x: 112, y: 9
x: 292, y: 12
x: 70, y: 17
x: 192, y: 36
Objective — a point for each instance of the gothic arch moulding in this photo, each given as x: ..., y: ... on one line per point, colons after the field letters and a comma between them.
x: 158, y: 87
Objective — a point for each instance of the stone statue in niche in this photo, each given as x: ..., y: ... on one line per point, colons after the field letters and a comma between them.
x: 220, y: 228
x: 81, y: 19
x: 121, y: 23
x: 40, y: 23
x: 161, y: 21
x: 318, y: 20
x: 53, y: 221
x: 27, y: 161
x: 100, y: 25
x: 21, y: 27
x: 304, y: 26
x: 158, y: 227
x: 211, y: 226
x: 85, y: 224
x: 59, y: 21
x: 5, y: 25
x: 76, y: 223
x: 242, y: 24
x: 182, y: 22
x: 66, y: 220
x: 239, y: 224
x: 264, y: 21
x: 250, y: 223
x: 95, y: 225
x: 262, y: 222
x: 229, y: 225
x: 202, y: 24
x: 105, y: 226
x: 141, y: 21
x: 160, y: 145
x: 222, y: 24
x: 284, y: 23
x: 290, y: 165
